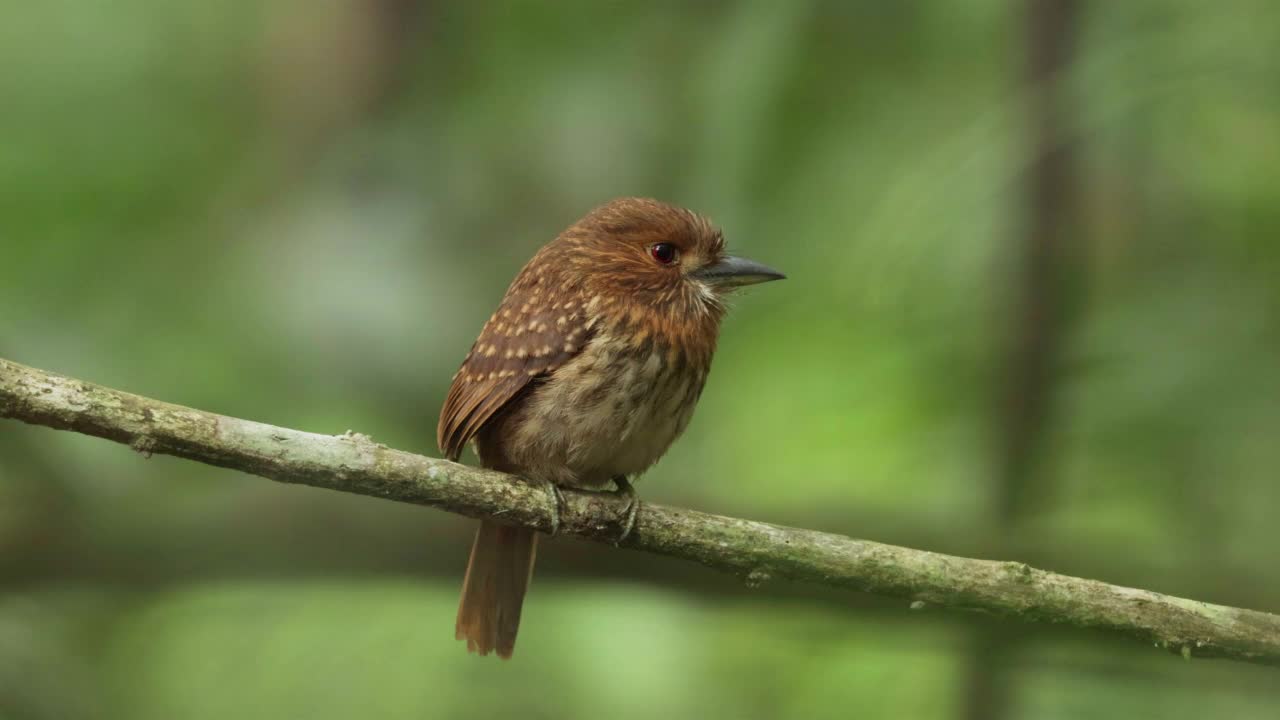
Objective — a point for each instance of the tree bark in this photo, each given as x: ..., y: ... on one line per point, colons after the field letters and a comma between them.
x: 755, y: 551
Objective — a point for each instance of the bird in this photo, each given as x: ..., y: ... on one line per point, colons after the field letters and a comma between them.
x: 584, y: 376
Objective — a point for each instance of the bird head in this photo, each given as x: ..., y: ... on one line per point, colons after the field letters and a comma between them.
x: 659, y: 254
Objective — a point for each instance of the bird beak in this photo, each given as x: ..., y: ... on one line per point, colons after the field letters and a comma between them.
x: 732, y: 271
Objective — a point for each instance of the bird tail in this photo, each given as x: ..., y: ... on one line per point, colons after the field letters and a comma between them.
x: 493, y: 591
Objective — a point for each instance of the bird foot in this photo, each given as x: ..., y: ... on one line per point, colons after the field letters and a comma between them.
x: 557, y: 502
x: 626, y: 490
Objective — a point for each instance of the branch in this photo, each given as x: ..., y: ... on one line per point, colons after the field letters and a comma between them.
x: 756, y: 551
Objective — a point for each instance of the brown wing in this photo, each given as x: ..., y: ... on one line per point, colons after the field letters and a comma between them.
x: 539, y: 326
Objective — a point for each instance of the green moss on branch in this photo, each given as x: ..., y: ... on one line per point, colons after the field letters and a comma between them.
x: 757, y: 552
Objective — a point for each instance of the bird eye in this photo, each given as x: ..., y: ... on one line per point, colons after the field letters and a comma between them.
x: 664, y: 253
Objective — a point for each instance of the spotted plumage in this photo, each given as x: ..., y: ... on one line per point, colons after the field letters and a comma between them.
x: 588, y: 371
x: 563, y: 299
x: 540, y: 325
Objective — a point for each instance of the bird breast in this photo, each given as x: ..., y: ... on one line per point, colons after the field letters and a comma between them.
x: 612, y: 410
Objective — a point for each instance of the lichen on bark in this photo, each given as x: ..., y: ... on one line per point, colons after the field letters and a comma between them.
x: 757, y: 552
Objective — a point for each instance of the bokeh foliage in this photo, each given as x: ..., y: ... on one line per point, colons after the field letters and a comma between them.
x: 301, y: 213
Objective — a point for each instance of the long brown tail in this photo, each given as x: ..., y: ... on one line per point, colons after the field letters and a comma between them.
x: 493, y: 590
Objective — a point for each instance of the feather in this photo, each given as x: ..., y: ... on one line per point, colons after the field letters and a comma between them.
x: 540, y: 325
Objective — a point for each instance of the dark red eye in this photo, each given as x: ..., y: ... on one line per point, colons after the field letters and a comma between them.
x: 664, y: 253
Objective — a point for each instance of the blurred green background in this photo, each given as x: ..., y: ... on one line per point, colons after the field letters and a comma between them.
x: 1032, y: 314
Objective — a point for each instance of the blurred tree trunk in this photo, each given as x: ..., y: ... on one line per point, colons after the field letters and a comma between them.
x: 328, y: 69
x: 1050, y: 218
x: 1042, y: 255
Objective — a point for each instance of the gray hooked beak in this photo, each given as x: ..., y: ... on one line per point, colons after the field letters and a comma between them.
x: 733, y: 271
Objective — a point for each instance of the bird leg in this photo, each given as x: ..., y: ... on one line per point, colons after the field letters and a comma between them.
x: 626, y: 490
x: 557, y: 502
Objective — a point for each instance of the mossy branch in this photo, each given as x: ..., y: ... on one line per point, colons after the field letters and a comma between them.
x: 755, y: 551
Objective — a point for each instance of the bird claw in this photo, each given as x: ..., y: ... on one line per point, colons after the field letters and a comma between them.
x: 626, y: 490
x: 557, y: 502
